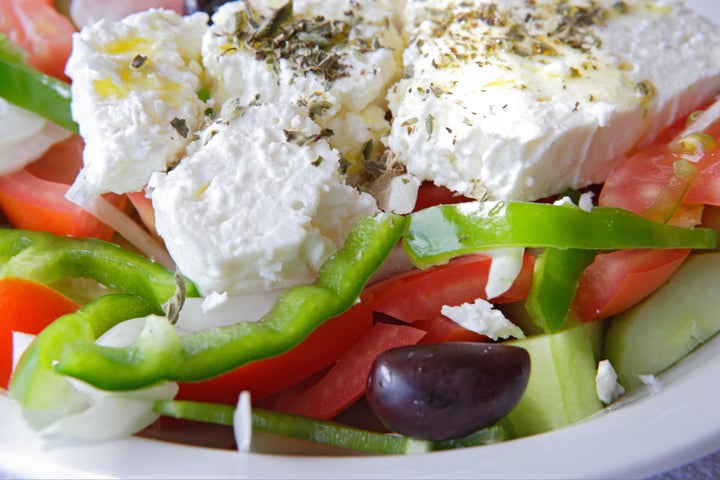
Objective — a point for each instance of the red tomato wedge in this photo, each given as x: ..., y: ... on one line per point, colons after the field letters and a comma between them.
x: 265, y: 377
x: 430, y: 194
x: 640, y: 180
x: 421, y: 294
x: 37, y: 27
x: 442, y: 329
x: 346, y: 381
x: 27, y: 307
x: 618, y: 280
x: 34, y: 198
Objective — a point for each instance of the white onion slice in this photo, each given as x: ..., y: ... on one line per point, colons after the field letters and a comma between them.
x: 120, y: 222
x: 704, y: 120
x: 24, y: 137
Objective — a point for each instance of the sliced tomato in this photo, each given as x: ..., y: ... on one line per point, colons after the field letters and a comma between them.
x: 430, y: 194
x: 144, y: 208
x: 37, y: 27
x: 27, y: 307
x: 32, y: 203
x: 420, y: 294
x: 441, y: 329
x: 61, y: 162
x: 265, y: 377
x: 641, y: 180
x: 346, y: 381
x: 34, y: 198
x: 618, y: 280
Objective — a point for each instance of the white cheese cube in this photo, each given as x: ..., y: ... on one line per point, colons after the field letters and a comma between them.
x: 520, y: 100
x: 482, y: 318
x: 135, y: 95
x: 259, y: 205
x: 336, y: 57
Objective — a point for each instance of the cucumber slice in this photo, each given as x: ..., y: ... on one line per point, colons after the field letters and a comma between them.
x: 561, y: 389
x: 660, y: 331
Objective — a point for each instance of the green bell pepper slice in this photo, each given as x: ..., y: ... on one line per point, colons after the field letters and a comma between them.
x: 159, y: 354
x: 555, y: 280
x: 439, y: 233
x: 322, y: 431
x: 47, y: 258
x: 29, y: 88
x: 46, y: 396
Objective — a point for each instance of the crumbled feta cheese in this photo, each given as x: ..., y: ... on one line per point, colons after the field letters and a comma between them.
x: 504, y: 269
x: 259, y: 204
x: 213, y: 300
x: 397, y: 194
x: 135, y: 87
x: 242, y: 422
x: 652, y: 382
x: 586, y: 201
x: 606, y: 383
x: 482, y: 318
x: 343, y: 85
x: 522, y: 100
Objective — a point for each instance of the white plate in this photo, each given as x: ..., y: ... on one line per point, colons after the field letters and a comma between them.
x: 653, y: 433
x: 679, y: 423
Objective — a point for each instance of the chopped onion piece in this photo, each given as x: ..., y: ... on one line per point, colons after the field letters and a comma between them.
x: 24, y: 137
x: 120, y: 222
x: 704, y: 120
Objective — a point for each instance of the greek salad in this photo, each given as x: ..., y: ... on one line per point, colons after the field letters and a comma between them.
x: 389, y: 227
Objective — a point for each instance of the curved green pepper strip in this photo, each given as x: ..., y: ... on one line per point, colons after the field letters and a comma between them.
x: 437, y: 234
x: 322, y: 431
x: 44, y: 394
x: 555, y: 279
x: 47, y: 258
x: 298, y: 311
x: 33, y: 90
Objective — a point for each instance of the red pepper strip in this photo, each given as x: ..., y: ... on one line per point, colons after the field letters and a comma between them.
x: 346, y: 381
x: 263, y: 378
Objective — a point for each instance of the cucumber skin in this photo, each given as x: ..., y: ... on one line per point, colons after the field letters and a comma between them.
x: 657, y: 333
x: 561, y: 389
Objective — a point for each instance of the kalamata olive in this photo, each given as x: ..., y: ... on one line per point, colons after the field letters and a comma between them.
x: 449, y: 390
x: 207, y: 6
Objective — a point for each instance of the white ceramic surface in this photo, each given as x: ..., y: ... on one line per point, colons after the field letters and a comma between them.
x: 655, y: 432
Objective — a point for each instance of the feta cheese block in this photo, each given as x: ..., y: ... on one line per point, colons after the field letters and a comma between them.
x: 135, y: 95
x: 335, y: 57
x: 519, y: 100
x: 258, y: 205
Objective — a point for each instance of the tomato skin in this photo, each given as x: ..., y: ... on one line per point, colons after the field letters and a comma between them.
x: 346, y: 382
x: 34, y: 198
x: 618, y: 280
x: 37, y: 27
x: 421, y: 294
x: 27, y: 307
x: 32, y: 203
x: 442, y: 329
x: 263, y: 378
x: 636, y: 184
x: 430, y: 194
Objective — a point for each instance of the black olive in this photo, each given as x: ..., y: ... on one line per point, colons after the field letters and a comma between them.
x: 207, y: 6
x: 449, y: 390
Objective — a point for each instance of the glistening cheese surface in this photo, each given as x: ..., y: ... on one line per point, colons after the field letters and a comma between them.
x: 521, y: 100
